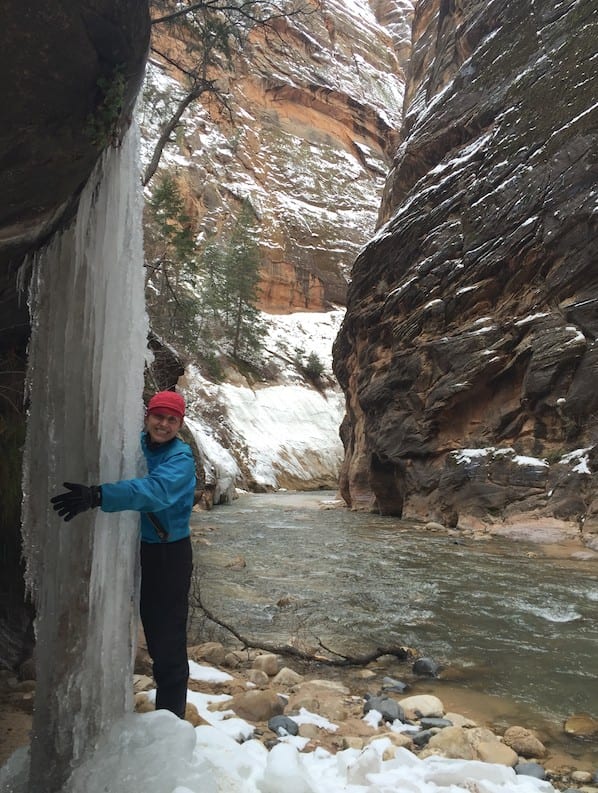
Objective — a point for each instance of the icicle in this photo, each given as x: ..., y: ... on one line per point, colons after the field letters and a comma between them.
x: 85, y: 382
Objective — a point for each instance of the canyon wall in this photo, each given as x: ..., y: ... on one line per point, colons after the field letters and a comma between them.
x: 70, y: 78
x: 468, y: 354
x: 314, y: 105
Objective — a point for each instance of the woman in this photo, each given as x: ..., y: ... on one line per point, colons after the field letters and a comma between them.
x: 164, y: 497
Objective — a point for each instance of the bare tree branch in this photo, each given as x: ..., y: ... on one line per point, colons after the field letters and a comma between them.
x: 171, y: 125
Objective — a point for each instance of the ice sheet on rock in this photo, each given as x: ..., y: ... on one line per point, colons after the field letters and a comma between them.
x: 84, y: 382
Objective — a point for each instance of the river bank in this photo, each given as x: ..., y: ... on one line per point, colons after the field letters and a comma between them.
x: 248, y: 694
x: 462, y: 687
x: 513, y: 623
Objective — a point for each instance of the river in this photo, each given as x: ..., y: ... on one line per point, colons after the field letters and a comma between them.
x: 516, y: 629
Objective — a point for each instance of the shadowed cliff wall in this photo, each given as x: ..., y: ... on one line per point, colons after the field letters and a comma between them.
x: 469, y: 344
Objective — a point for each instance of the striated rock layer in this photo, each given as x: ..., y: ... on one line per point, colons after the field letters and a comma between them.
x: 315, y: 103
x: 468, y: 353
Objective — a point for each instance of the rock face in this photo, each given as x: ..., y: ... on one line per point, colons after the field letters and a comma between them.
x: 468, y: 353
x: 71, y: 73
x: 315, y: 108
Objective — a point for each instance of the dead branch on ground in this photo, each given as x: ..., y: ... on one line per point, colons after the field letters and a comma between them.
x: 289, y: 651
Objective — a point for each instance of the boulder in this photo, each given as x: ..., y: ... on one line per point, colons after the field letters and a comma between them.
x: 422, y: 706
x: 255, y: 706
x: 524, y: 742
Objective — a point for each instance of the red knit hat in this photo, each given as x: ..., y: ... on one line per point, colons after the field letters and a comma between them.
x: 169, y: 401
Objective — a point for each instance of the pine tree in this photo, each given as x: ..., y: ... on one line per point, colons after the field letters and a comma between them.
x: 171, y: 264
x: 230, y: 280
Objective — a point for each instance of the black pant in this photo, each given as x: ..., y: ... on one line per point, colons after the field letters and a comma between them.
x: 165, y: 580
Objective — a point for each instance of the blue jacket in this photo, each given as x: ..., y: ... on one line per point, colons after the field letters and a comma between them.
x: 167, y: 490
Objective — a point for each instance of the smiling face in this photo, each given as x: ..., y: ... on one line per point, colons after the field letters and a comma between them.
x: 162, y: 426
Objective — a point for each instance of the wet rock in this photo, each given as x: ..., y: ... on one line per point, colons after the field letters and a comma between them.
x: 238, y: 563
x: 390, y: 684
x: 530, y: 769
x: 477, y: 743
x: 422, y: 738
x: 458, y: 720
x: 581, y: 725
x: 582, y: 777
x: 389, y: 709
x: 426, y: 667
x: 524, y: 742
x: 431, y: 723
x: 283, y: 725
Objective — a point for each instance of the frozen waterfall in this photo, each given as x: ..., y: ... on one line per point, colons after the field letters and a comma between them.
x: 85, y: 383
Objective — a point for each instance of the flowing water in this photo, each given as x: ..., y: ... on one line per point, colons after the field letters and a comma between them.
x: 516, y: 629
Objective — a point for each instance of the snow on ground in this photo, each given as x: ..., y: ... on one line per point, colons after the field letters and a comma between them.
x: 158, y: 753
x: 287, y: 431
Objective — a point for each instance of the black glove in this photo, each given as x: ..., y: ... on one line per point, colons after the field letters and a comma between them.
x: 80, y: 499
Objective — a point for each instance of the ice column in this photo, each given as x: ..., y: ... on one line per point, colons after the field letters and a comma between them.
x: 85, y: 382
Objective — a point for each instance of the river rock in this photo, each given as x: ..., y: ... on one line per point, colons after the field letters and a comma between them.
x: 477, y: 743
x: 258, y: 678
x: 268, y: 663
x: 309, y: 730
x: 399, y: 740
x: 256, y: 705
x: 422, y: 706
x: 283, y: 725
x: 581, y: 725
x: 530, y: 769
x: 287, y: 678
x: 388, y: 708
x: 494, y: 751
x: 432, y: 723
x: 458, y: 720
x: 524, y: 742
x: 390, y: 684
x: 322, y: 697
x: 423, y: 738
x: 211, y: 652
x: 359, y: 728
x: 426, y: 667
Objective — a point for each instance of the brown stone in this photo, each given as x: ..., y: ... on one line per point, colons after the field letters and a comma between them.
x: 268, y: 663
x: 581, y: 725
x: 524, y: 742
x: 211, y: 652
x: 256, y: 706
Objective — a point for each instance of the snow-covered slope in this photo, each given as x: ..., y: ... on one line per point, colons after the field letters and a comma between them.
x: 272, y: 436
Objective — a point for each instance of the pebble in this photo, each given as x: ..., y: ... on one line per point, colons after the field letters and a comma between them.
x: 283, y: 725
x: 530, y: 769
